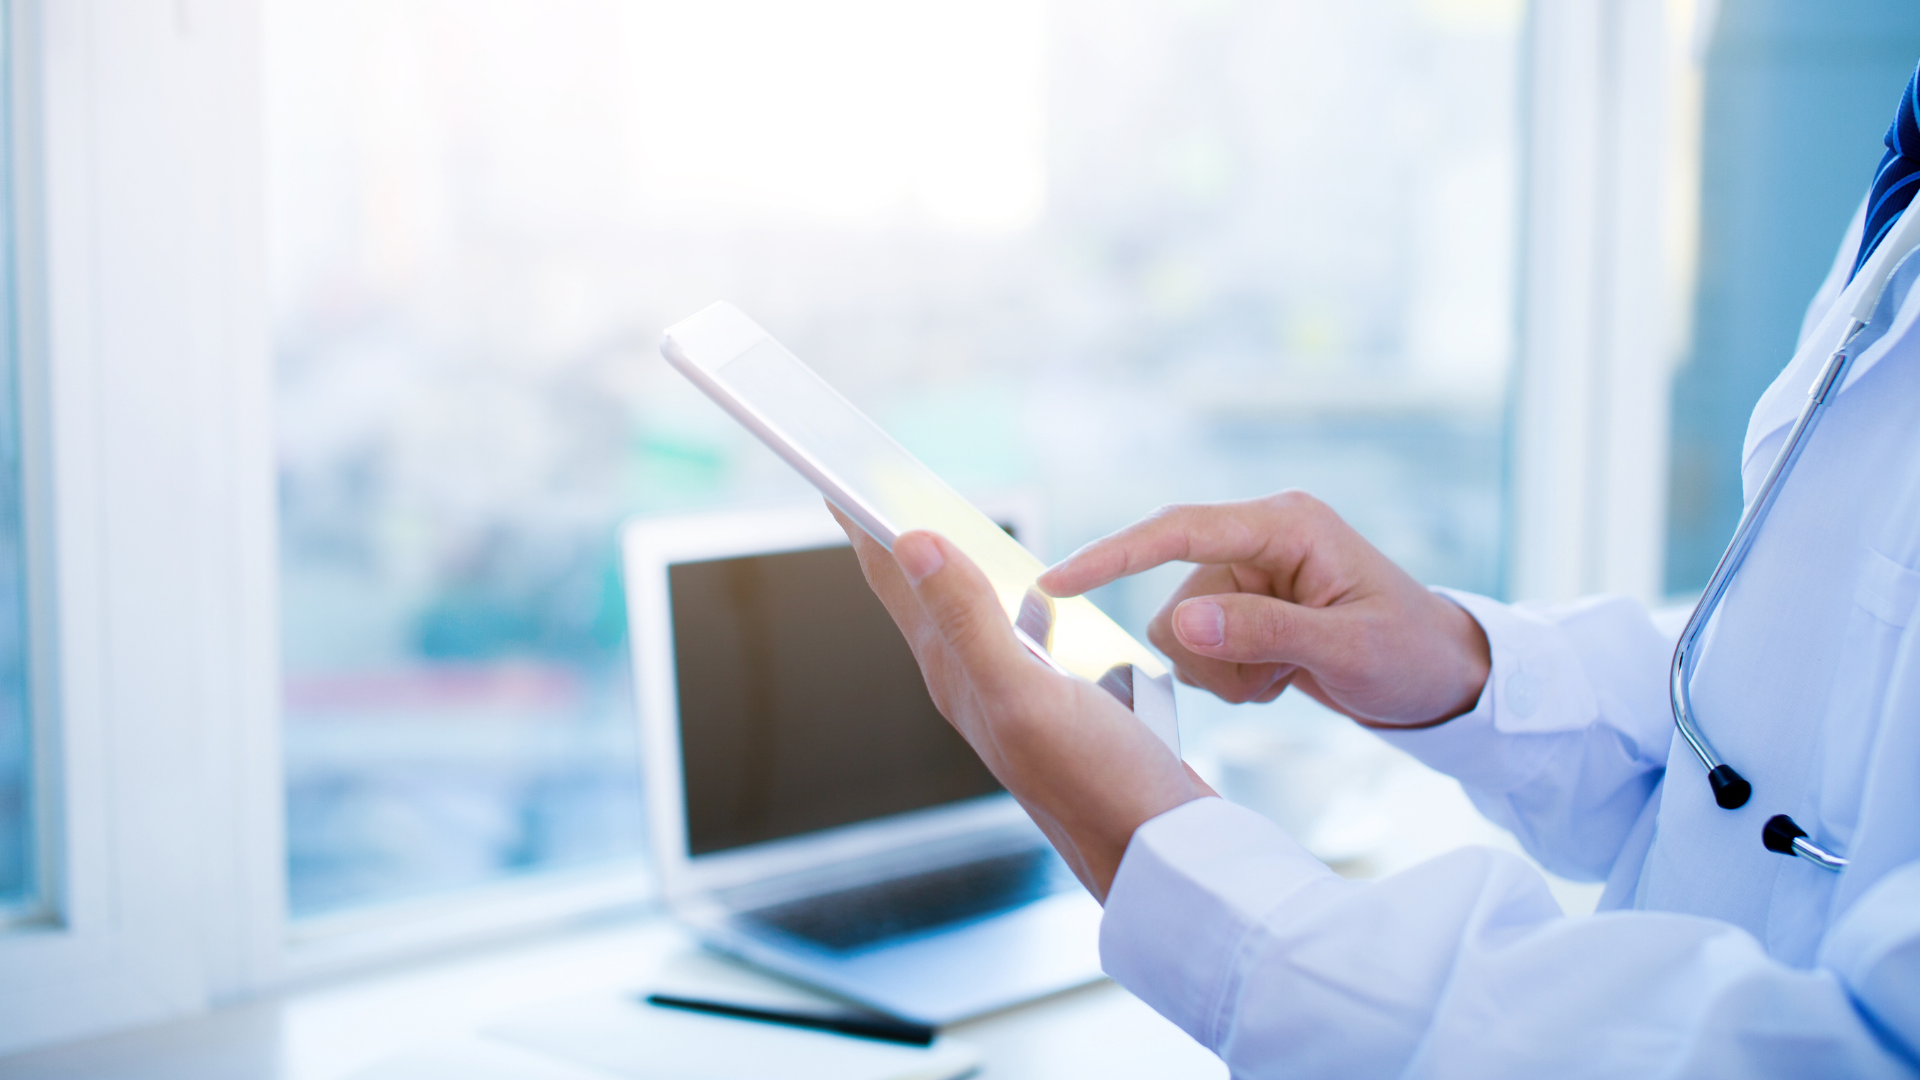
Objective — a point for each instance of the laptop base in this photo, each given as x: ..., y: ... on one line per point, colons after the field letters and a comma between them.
x: 941, y: 978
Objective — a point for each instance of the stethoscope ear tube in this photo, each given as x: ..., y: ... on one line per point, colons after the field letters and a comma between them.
x: 1730, y: 789
x: 1781, y: 835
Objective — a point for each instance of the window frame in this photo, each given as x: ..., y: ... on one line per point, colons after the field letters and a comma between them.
x: 1599, y: 298
x: 147, y: 376
x: 43, y: 907
x: 138, y: 289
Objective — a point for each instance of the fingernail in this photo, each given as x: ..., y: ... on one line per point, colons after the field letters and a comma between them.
x: 1201, y: 623
x: 918, y: 556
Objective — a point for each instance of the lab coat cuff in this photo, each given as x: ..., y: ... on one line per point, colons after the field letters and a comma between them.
x: 1194, y: 883
x: 1875, y: 950
x: 1536, y: 688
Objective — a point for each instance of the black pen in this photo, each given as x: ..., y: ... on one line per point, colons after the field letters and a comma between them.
x: 877, y: 1027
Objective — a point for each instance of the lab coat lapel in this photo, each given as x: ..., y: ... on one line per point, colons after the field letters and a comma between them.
x: 1820, y: 335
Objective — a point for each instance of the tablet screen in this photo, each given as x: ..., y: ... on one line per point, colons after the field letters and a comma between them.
x: 905, y: 495
x: 889, y: 492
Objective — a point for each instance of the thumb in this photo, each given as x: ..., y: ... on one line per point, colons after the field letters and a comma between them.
x: 964, y: 610
x: 1245, y: 628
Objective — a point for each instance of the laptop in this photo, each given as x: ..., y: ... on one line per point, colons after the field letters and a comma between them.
x: 809, y: 810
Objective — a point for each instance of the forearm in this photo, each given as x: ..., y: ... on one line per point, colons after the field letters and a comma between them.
x: 1464, y: 966
x: 1570, y: 735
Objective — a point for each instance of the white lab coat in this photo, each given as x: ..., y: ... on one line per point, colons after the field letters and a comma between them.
x: 1711, y: 956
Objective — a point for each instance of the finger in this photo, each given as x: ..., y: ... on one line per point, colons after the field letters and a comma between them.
x: 1230, y: 681
x: 1236, y: 684
x: 1305, y: 683
x: 863, y: 541
x: 883, y: 577
x: 876, y: 562
x: 1277, y: 685
x: 964, y: 611
x: 1242, y: 628
x: 1213, y: 533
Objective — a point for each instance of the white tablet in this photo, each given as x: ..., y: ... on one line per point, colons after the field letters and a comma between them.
x: 888, y: 491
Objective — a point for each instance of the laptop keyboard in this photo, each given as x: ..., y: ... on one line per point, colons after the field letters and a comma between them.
x: 860, y: 916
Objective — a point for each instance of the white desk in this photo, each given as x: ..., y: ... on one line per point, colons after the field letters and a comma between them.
x: 330, y: 1032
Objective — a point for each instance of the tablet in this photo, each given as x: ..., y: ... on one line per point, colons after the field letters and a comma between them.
x: 874, y: 481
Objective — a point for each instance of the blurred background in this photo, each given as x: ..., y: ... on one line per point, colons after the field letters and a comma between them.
x: 1112, y: 252
x: 22, y: 885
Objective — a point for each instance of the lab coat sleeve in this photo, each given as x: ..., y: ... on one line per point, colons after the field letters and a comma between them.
x: 1571, y: 733
x: 1464, y: 966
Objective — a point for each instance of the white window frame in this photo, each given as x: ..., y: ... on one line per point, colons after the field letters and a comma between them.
x: 29, y: 398
x: 148, y: 409
x: 1598, y: 299
x: 134, y: 285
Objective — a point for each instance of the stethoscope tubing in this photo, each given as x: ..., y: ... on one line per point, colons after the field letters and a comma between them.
x: 1736, y: 553
x: 1730, y: 789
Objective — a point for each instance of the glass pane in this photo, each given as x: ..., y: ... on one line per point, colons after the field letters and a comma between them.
x: 1797, y: 98
x: 20, y: 885
x: 1158, y: 250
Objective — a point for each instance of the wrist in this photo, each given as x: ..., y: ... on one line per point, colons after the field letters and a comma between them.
x: 1460, y: 662
x: 1472, y: 659
x: 1107, y: 839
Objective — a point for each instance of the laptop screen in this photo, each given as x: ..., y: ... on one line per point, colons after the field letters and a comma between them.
x: 801, y: 707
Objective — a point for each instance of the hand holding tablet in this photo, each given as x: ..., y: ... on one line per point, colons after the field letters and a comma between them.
x: 878, y: 484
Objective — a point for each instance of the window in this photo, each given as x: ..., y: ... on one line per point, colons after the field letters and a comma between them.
x: 1797, y: 98
x: 1254, y: 245
x: 22, y: 882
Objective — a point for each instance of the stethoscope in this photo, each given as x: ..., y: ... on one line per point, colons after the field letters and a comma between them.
x: 1730, y: 789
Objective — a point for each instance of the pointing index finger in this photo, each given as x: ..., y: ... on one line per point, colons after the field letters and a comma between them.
x: 1219, y: 533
